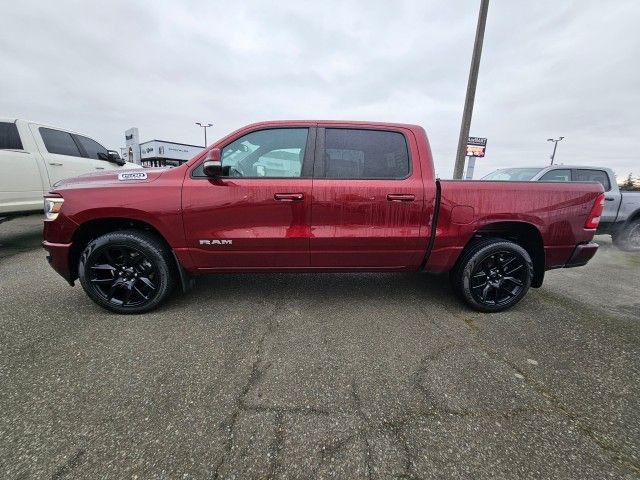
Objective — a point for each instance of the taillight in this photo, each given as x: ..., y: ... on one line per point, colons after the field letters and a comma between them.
x: 594, y: 217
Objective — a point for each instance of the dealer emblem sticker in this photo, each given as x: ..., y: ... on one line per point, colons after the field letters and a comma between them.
x: 132, y: 176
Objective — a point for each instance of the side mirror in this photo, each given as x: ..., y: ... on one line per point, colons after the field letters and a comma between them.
x: 113, y: 156
x: 212, y: 166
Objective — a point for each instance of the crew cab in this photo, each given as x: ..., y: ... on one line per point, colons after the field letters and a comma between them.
x: 313, y: 196
x: 33, y: 157
x: 621, y: 215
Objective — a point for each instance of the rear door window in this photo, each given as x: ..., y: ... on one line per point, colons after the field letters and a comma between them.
x: 9, y: 137
x: 94, y: 149
x: 365, y: 154
x: 559, y: 175
x: 588, y: 175
x: 59, y: 142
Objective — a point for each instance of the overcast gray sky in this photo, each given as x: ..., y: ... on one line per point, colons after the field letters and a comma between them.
x: 548, y: 68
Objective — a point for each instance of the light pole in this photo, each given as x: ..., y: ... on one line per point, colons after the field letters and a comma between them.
x: 555, y: 145
x: 205, y: 126
x: 471, y: 90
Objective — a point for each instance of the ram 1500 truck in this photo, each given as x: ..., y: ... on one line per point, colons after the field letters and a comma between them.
x: 33, y: 157
x: 313, y: 196
x: 621, y: 215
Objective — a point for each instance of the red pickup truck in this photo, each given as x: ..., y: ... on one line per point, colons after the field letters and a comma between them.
x: 313, y: 196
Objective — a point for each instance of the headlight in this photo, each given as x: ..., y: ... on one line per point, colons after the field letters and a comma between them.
x: 52, y: 207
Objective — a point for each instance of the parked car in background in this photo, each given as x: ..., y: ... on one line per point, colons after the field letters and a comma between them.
x: 313, y: 196
x: 33, y: 157
x: 621, y: 215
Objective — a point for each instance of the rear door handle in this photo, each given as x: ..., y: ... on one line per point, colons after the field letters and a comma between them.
x: 289, y: 197
x: 609, y: 199
x: 55, y: 164
x: 99, y: 168
x: 401, y: 197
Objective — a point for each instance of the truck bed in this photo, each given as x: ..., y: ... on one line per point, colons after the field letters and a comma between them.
x: 469, y: 206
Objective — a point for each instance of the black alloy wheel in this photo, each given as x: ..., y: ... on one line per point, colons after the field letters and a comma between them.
x: 492, y: 274
x: 498, y: 278
x: 123, y: 276
x: 127, y: 271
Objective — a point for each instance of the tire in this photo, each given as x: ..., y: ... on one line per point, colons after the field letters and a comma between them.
x: 128, y: 271
x: 628, y: 239
x: 492, y: 274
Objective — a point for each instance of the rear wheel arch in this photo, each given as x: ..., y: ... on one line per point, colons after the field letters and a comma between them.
x: 634, y: 216
x: 626, y: 235
x: 524, y: 234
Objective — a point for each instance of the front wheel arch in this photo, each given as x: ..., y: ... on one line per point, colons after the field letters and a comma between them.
x: 92, y: 229
x: 127, y: 271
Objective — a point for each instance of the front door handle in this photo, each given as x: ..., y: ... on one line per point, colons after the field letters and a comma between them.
x: 401, y: 197
x: 289, y: 197
x: 55, y: 164
x: 99, y: 168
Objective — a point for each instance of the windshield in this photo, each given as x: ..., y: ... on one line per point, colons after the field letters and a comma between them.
x: 513, y: 174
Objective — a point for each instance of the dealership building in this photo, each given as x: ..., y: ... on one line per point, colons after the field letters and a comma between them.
x: 156, y: 153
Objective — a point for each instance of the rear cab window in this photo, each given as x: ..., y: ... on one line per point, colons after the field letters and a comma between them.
x: 557, y: 175
x: 513, y: 174
x: 9, y: 137
x: 365, y: 154
x: 59, y: 142
x: 589, y: 175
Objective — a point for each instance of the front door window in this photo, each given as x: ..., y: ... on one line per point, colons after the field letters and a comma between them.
x: 274, y: 153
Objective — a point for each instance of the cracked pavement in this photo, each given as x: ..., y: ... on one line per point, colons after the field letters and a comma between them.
x: 319, y: 376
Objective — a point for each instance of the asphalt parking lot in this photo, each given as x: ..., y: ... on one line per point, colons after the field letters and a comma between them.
x: 319, y: 376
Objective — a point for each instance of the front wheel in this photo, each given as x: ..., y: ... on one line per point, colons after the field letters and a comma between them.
x: 629, y: 238
x: 126, y: 271
x: 493, y: 275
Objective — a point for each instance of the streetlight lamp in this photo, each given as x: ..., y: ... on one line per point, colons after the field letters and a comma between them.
x: 555, y: 145
x: 205, y: 126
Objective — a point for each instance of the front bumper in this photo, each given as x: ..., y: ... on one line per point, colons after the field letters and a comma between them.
x: 58, y: 258
x: 582, y: 254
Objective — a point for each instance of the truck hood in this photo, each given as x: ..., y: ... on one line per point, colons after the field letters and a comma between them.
x: 113, y: 177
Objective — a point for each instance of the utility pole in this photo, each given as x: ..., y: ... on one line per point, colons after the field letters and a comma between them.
x: 555, y: 145
x: 205, y: 126
x: 471, y: 90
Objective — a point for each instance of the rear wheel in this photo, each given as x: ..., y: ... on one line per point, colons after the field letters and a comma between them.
x: 629, y: 238
x: 126, y: 271
x: 493, y: 275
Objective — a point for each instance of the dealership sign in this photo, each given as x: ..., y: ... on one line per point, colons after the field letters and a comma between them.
x: 132, y: 142
x: 476, y: 146
x: 155, y: 149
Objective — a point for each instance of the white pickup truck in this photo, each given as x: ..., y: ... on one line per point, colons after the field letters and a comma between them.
x: 33, y: 157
